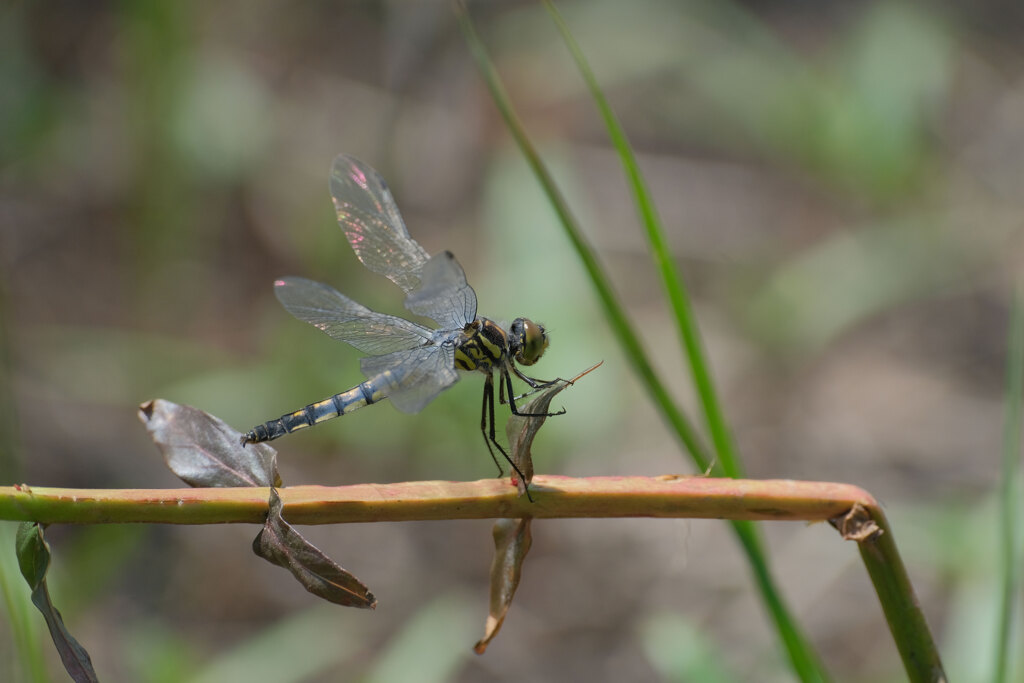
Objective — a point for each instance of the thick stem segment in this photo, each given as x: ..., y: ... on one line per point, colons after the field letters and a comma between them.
x: 851, y: 509
x: 665, y: 496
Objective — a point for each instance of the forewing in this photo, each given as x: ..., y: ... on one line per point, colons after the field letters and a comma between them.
x: 370, y: 220
x: 444, y: 296
x: 414, y: 377
x: 343, y: 319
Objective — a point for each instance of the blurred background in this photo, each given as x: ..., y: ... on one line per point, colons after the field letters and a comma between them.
x: 843, y: 187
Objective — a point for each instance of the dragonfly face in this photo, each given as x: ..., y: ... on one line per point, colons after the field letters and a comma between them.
x: 528, y: 341
x: 406, y: 362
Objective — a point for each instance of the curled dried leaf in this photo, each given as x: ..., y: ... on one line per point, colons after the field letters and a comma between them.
x: 521, y: 430
x: 511, y: 543
x: 279, y: 543
x: 204, y: 451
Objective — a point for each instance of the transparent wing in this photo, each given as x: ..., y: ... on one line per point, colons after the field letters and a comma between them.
x: 370, y: 219
x: 343, y: 319
x: 444, y: 295
x: 413, y: 377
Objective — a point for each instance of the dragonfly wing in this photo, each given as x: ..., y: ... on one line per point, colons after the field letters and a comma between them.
x: 444, y: 296
x: 368, y: 215
x: 343, y: 319
x: 413, y: 377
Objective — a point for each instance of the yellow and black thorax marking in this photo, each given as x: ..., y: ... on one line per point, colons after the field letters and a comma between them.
x: 483, y: 347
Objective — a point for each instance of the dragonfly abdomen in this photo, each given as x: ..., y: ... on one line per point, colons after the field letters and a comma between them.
x: 355, y: 398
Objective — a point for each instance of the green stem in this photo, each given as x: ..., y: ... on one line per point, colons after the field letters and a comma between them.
x: 802, y: 657
x: 1009, y: 495
x: 616, y: 315
x: 555, y: 497
x: 740, y: 500
x: 902, y: 611
x: 672, y: 283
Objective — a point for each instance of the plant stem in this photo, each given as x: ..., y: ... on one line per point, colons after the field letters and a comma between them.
x: 1009, y: 494
x: 555, y: 496
x: 739, y: 500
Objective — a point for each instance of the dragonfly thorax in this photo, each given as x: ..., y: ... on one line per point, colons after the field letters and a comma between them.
x: 484, y: 346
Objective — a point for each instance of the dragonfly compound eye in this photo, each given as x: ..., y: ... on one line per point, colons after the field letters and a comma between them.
x: 528, y: 341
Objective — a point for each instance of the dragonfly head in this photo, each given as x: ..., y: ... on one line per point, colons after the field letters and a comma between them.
x: 528, y: 341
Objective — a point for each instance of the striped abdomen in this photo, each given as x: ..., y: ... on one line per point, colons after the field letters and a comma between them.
x: 369, y: 392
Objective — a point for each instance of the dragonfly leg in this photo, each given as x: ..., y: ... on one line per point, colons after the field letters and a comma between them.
x: 534, y: 382
x: 512, y: 399
x: 488, y: 406
x: 490, y: 436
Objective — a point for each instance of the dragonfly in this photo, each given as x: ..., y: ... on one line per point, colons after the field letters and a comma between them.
x: 408, y: 363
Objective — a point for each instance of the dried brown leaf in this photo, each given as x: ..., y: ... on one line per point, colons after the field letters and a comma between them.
x: 511, y: 543
x: 280, y: 544
x: 857, y: 525
x: 204, y: 451
x: 522, y: 429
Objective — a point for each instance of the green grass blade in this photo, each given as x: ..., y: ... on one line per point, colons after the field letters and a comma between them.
x: 801, y: 655
x: 1010, y: 491
x: 673, y: 284
x: 620, y: 324
x: 804, y: 661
